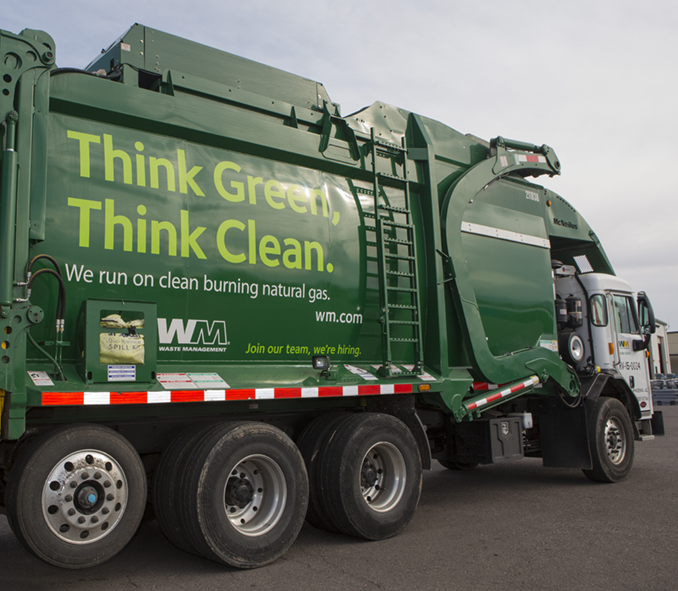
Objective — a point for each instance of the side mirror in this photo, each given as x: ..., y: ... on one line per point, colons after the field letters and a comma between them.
x: 646, y: 314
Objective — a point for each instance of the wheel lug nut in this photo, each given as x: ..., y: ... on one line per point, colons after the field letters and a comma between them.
x: 107, y: 484
x: 109, y: 497
x: 105, y: 510
x: 68, y: 498
x: 81, y: 520
x: 97, y: 476
x: 95, y: 519
x: 71, y: 512
x: 85, y: 476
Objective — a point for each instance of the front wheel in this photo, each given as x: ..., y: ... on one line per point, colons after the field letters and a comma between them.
x: 76, y: 496
x: 463, y: 466
x: 611, y: 441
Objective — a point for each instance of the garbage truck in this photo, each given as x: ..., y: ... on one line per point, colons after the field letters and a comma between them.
x: 226, y: 305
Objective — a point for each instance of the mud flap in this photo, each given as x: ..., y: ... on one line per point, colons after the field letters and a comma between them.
x: 658, y: 423
x: 564, y: 437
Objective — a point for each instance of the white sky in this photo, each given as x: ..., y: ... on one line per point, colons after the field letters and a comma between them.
x: 595, y: 79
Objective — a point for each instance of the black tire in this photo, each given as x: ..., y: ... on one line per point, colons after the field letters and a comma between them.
x: 611, y: 441
x: 244, y: 495
x: 311, y: 441
x: 76, y: 495
x: 463, y: 466
x: 371, y: 497
x: 166, y: 486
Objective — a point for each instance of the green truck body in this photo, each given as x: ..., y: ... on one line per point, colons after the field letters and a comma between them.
x: 199, y: 252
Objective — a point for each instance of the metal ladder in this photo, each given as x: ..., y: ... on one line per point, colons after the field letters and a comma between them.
x: 397, y: 261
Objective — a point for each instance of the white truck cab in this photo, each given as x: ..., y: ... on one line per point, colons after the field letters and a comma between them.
x: 604, y: 327
x: 619, y: 343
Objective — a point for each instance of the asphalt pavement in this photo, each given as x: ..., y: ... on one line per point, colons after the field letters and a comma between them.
x: 511, y: 526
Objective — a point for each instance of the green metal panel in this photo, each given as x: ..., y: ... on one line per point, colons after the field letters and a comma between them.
x: 235, y: 200
x: 210, y: 235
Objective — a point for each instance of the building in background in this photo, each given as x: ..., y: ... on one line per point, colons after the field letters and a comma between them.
x: 660, y: 358
x: 672, y: 340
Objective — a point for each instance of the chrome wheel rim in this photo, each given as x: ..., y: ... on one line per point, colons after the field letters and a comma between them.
x: 382, y: 477
x: 615, y: 441
x: 255, y: 495
x: 84, y: 497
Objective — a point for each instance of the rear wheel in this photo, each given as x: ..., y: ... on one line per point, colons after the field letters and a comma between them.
x: 245, y: 494
x: 76, y: 496
x: 166, y: 483
x: 370, y: 476
x: 611, y: 437
x: 310, y: 443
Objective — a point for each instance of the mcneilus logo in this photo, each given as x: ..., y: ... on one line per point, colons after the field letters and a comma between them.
x: 565, y: 224
x: 192, y: 335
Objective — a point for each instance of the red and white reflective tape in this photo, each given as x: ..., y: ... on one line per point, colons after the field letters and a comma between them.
x: 502, y: 393
x: 530, y: 158
x: 170, y: 396
x: 484, y: 386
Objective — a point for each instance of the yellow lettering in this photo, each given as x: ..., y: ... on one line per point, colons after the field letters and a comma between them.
x: 274, y: 190
x: 85, y: 140
x: 218, y: 182
x: 85, y: 206
x: 221, y: 242
x: 296, y: 194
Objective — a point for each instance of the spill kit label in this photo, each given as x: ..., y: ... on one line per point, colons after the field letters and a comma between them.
x: 121, y: 349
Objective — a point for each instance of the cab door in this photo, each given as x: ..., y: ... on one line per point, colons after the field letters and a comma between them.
x: 630, y: 350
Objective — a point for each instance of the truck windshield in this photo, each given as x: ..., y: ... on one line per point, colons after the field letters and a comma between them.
x: 624, y: 316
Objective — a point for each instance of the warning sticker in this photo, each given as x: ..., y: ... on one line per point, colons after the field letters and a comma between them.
x: 40, y: 378
x: 364, y: 374
x: 208, y: 381
x: 176, y: 381
x: 425, y: 376
x: 549, y: 344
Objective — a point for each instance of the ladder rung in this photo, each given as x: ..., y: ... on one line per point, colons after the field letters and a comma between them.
x: 400, y: 274
x: 398, y: 241
x: 392, y: 177
x: 395, y: 209
x: 404, y: 322
x: 391, y: 146
x: 403, y: 289
x: 401, y: 307
x: 403, y: 257
x: 386, y: 222
x: 404, y: 340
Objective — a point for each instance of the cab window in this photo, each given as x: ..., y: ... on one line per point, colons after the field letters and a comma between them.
x: 598, y: 310
x: 624, y: 316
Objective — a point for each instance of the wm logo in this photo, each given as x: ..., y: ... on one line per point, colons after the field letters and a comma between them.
x: 194, y: 332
